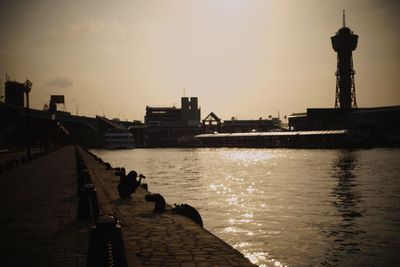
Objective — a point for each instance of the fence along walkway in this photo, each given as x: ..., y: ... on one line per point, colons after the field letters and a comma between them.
x: 165, y: 239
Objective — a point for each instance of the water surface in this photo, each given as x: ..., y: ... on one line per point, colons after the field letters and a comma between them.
x: 285, y: 207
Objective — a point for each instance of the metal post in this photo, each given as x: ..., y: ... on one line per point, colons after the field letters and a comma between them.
x: 27, y: 87
x: 106, y: 245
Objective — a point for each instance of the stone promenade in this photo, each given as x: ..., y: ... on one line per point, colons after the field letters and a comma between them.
x: 165, y: 239
x: 38, y: 207
x: 39, y: 226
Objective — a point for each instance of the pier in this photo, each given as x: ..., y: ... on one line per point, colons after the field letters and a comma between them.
x: 39, y: 225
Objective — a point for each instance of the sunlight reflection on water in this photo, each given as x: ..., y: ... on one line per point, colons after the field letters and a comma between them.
x: 284, y: 207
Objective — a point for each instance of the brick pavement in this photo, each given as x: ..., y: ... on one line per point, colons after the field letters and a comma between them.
x: 38, y: 206
x: 165, y: 239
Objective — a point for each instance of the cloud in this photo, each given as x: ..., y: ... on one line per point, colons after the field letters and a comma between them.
x: 92, y: 28
x: 87, y: 30
x: 60, y: 82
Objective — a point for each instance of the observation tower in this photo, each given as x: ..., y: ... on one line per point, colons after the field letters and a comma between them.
x: 344, y: 42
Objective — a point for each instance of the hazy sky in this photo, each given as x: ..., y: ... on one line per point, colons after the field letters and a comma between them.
x: 242, y: 58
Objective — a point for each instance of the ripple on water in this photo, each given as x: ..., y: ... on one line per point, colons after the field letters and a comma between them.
x: 285, y: 207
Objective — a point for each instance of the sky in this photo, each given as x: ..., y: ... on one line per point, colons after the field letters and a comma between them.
x: 242, y: 58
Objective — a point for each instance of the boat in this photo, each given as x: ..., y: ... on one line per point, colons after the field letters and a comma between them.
x: 118, y: 139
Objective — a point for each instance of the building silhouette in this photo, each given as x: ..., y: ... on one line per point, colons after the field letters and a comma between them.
x: 187, y: 115
x: 14, y: 93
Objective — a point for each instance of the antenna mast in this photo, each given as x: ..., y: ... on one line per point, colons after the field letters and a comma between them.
x: 344, y: 18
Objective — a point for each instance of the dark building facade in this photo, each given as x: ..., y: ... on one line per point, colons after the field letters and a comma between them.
x: 162, y: 116
x: 54, y: 101
x: 190, y: 111
x: 377, y: 126
x: 169, y: 126
x: 232, y: 126
x: 187, y: 115
x: 14, y: 93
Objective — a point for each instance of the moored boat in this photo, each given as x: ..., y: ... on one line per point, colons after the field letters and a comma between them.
x: 118, y: 139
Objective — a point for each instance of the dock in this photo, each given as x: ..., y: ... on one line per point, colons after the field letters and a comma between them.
x: 39, y: 225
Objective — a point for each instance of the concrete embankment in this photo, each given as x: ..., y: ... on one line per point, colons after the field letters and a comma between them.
x: 158, y: 239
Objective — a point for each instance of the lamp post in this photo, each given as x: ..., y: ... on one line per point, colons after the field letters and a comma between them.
x: 27, y: 89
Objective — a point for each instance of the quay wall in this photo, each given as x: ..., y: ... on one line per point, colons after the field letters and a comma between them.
x: 158, y: 239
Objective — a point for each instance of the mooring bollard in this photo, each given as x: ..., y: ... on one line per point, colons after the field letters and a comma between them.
x: 9, y: 165
x: 83, y: 179
x: 106, y: 246
x: 80, y: 164
x: 88, y: 206
x: 23, y: 160
x: 16, y: 162
x: 107, y: 165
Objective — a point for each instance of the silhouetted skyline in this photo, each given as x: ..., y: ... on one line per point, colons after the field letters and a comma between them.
x: 247, y: 59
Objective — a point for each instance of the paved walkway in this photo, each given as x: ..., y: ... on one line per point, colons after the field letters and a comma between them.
x: 38, y: 206
x: 38, y: 226
x: 165, y: 239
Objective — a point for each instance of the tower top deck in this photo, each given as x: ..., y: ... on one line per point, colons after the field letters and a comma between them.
x: 344, y: 39
x: 344, y: 30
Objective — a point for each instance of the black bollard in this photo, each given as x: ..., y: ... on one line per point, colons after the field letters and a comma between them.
x: 9, y: 165
x: 83, y: 179
x: 106, y: 246
x: 80, y: 165
x: 24, y: 160
x: 88, y: 206
x: 16, y: 162
x: 107, y: 165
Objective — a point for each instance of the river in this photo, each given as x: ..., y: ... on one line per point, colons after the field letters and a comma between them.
x: 284, y: 207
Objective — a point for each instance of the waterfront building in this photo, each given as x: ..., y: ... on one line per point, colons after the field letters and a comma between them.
x: 49, y: 129
x: 242, y: 126
x: 291, y: 139
x: 56, y: 100
x: 14, y: 93
x: 169, y: 126
x: 187, y: 115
